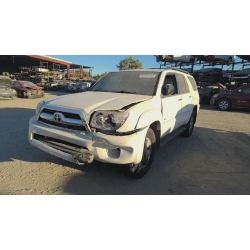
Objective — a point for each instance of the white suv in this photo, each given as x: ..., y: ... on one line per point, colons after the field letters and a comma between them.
x: 122, y: 119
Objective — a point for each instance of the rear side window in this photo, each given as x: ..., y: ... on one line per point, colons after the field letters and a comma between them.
x: 193, y: 83
x: 182, y: 85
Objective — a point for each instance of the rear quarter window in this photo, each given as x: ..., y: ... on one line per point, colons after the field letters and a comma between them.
x: 193, y: 83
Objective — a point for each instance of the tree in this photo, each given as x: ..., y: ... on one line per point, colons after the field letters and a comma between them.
x: 98, y: 76
x: 129, y: 63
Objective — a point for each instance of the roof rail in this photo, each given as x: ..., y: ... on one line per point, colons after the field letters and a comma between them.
x: 181, y: 70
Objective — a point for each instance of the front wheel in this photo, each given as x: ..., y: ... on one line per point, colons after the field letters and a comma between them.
x: 224, y: 104
x: 140, y: 169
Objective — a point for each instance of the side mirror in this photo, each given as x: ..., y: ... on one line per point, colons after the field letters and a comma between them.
x: 168, y: 89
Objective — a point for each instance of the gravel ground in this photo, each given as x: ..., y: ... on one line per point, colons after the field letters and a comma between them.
x: 214, y: 160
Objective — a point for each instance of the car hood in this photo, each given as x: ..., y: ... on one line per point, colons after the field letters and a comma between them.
x: 33, y: 88
x: 90, y: 101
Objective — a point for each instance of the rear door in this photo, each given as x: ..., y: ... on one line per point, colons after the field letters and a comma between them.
x: 186, y: 99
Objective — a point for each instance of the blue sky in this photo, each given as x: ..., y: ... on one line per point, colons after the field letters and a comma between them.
x: 106, y: 63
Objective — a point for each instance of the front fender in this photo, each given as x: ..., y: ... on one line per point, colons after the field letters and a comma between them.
x: 148, y: 117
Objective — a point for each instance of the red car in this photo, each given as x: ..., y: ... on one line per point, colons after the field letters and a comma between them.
x: 27, y: 89
x: 237, y: 98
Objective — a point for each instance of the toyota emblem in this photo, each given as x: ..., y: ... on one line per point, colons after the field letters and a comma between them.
x: 57, y: 117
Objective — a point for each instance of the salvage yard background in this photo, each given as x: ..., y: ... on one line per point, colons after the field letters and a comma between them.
x: 214, y: 160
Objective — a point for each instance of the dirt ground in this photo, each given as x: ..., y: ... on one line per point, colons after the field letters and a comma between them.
x: 214, y: 160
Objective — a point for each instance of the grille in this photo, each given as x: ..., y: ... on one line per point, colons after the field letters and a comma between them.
x: 80, y: 128
x: 66, y: 114
x: 55, y: 141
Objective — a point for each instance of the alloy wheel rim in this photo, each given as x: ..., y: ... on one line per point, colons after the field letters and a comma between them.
x: 223, y: 104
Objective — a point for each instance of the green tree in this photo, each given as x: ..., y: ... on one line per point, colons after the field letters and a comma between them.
x: 129, y: 63
x: 98, y: 76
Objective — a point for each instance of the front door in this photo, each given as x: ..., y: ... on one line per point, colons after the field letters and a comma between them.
x: 171, y: 107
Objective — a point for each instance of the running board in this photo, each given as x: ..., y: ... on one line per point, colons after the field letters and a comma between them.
x: 172, y: 135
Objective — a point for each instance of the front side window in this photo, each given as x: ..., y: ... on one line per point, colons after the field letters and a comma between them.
x: 134, y: 82
x: 170, y: 79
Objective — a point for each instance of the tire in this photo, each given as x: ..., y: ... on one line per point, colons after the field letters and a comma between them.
x: 140, y: 169
x: 190, y: 126
x: 224, y: 104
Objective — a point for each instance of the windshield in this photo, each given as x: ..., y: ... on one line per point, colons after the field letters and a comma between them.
x: 28, y: 84
x: 134, y: 82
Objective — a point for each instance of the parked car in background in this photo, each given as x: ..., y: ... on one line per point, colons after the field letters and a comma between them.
x: 176, y: 58
x: 237, y: 98
x: 208, y: 92
x: 244, y: 57
x: 78, y: 87
x: 84, y: 86
x: 211, y: 75
x: 70, y: 87
x: 228, y: 59
x: 51, y: 86
x: 6, y: 91
x: 241, y: 76
x: 27, y: 89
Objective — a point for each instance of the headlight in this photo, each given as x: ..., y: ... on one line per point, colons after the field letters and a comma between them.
x: 38, y: 107
x: 215, y: 95
x: 108, y: 120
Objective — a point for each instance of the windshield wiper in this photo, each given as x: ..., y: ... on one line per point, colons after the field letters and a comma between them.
x: 127, y: 92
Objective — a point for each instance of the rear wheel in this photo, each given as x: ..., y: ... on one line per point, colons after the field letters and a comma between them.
x: 190, y: 126
x: 224, y: 104
x: 140, y: 169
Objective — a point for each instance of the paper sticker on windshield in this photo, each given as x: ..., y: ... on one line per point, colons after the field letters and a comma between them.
x: 147, y: 76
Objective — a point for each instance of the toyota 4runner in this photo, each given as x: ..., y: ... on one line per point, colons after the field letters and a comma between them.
x: 123, y: 118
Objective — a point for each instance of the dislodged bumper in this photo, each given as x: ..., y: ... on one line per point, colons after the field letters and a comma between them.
x: 34, y: 94
x: 81, y: 147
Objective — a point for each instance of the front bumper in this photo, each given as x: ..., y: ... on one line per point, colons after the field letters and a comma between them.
x: 105, y: 148
x: 33, y: 94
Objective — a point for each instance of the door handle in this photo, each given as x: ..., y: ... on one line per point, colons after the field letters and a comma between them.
x: 179, y: 99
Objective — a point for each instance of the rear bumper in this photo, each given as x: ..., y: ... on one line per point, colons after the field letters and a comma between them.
x: 104, y: 148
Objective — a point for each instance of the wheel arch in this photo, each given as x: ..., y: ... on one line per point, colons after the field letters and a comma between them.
x: 156, y: 127
x: 195, y: 110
